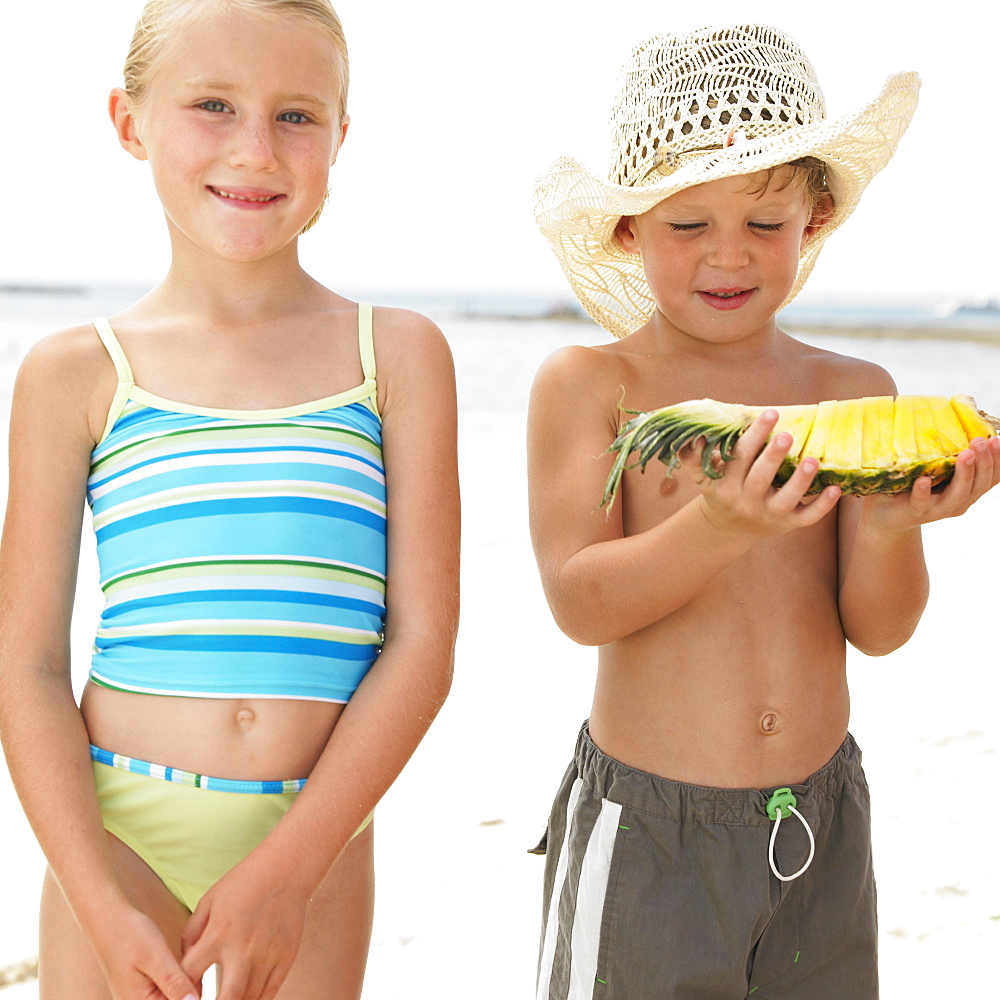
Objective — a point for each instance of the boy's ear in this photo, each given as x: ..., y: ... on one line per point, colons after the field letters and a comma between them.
x: 124, y: 123
x: 625, y: 234
x: 821, y: 214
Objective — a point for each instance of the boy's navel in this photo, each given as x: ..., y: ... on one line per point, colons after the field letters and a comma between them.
x: 769, y: 723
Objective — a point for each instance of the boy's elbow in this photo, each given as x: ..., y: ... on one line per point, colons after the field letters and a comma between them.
x: 881, y: 640
x: 583, y: 625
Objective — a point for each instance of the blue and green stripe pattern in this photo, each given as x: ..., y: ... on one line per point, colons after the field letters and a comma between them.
x: 242, y: 553
x: 191, y: 779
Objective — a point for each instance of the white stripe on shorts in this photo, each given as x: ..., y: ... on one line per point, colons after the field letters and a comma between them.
x: 552, y: 917
x: 592, y: 890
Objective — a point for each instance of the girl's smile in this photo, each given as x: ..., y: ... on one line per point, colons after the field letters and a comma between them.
x: 247, y: 198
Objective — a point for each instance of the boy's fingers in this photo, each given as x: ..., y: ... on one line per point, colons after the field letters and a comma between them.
x: 766, y: 464
x: 823, y: 503
x: 753, y: 439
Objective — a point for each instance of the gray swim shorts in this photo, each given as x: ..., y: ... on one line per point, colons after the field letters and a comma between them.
x: 657, y: 890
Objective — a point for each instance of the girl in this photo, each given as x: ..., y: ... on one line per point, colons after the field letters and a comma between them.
x: 236, y: 434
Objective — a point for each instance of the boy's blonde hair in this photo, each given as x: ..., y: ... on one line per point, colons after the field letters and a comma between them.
x: 161, y: 18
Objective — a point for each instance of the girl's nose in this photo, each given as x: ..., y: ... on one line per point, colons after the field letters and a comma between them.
x: 253, y: 145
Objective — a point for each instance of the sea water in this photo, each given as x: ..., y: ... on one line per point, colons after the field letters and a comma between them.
x: 457, y: 897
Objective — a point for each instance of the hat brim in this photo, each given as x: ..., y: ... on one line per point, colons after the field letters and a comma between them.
x: 578, y: 211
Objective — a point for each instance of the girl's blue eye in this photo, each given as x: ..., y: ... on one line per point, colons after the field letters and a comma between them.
x: 212, y: 106
x: 293, y: 117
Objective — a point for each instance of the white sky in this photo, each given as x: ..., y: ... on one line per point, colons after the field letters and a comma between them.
x: 456, y: 105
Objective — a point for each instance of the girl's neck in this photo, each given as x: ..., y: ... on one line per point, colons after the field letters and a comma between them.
x: 238, y: 292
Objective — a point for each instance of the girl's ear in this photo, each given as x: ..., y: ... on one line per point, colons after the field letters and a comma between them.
x: 625, y: 235
x: 821, y: 214
x: 343, y: 136
x: 124, y: 123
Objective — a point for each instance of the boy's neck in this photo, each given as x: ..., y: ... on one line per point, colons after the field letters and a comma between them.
x: 661, y: 336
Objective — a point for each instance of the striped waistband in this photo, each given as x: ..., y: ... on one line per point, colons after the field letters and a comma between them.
x: 191, y: 779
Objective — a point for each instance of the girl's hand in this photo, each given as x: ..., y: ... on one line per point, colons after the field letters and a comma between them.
x: 139, y: 965
x: 249, y: 925
x: 977, y: 470
x: 743, y: 501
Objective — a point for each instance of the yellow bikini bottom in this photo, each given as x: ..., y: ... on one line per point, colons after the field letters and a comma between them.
x: 189, y: 836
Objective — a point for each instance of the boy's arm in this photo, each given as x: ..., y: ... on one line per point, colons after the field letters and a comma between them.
x: 600, y: 584
x: 883, y: 579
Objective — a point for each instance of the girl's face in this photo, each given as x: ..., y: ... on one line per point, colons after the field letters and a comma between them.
x: 720, y: 258
x: 240, y: 125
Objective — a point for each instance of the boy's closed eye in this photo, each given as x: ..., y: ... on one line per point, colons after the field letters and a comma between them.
x: 692, y: 227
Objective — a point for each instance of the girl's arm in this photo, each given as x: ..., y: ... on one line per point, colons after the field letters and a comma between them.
x: 601, y: 584
x: 54, y: 425
x: 394, y: 705
x: 883, y: 579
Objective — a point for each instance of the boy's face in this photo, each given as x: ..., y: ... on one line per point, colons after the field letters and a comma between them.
x: 720, y: 258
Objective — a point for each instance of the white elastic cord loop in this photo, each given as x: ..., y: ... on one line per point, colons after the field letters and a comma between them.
x: 774, y: 837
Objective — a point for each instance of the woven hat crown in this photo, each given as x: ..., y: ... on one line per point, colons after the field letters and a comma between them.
x: 705, y: 91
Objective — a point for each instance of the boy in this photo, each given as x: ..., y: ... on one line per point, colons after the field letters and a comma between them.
x: 721, y: 607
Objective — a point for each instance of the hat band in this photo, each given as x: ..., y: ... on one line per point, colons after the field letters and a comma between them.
x: 666, y: 161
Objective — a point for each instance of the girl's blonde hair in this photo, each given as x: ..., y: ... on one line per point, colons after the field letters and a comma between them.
x: 160, y: 19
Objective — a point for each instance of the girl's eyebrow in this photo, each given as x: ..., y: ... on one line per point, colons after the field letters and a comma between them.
x: 201, y: 83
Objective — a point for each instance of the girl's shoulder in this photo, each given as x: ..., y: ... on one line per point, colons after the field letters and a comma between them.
x: 403, y: 329
x: 69, y: 370
x: 405, y: 339
x: 73, y: 353
x: 413, y: 360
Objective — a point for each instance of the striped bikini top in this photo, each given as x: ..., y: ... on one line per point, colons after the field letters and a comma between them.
x: 242, y: 552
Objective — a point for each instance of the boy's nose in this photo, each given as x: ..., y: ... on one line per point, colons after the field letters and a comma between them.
x: 729, y: 252
x: 253, y: 145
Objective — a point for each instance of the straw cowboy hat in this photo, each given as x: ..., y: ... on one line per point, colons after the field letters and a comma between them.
x: 719, y: 102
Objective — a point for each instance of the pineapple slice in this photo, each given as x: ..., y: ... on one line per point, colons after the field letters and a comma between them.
x: 975, y: 422
x: 877, y: 452
x: 797, y: 421
x: 872, y: 445
x: 844, y: 449
x: 822, y: 429
x: 904, y: 433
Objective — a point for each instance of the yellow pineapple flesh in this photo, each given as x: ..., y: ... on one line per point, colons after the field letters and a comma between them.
x: 877, y: 444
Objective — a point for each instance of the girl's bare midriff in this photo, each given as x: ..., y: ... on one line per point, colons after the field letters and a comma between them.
x: 745, y: 685
x: 260, y: 739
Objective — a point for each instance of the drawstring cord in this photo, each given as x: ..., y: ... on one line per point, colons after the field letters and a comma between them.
x: 783, y: 799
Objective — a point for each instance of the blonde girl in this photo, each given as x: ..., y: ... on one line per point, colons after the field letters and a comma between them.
x: 269, y: 465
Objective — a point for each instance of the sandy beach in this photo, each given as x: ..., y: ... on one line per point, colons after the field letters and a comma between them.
x: 458, y: 897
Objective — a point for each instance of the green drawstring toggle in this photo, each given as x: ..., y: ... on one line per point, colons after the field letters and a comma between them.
x: 781, y: 799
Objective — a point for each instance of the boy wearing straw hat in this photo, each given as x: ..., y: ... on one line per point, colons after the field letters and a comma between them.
x: 721, y: 607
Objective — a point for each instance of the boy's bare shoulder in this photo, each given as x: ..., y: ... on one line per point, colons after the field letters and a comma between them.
x: 844, y: 376
x: 581, y: 369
